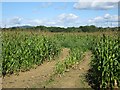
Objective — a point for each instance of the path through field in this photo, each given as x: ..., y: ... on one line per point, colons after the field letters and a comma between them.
x: 75, y: 78
x: 35, y: 76
x: 38, y: 77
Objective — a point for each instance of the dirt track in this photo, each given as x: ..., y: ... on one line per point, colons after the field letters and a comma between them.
x: 35, y: 76
x: 75, y: 78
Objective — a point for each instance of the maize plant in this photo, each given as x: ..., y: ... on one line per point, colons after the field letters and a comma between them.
x: 106, y: 62
x: 21, y: 51
x: 78, y: 45
x: 76, y: 54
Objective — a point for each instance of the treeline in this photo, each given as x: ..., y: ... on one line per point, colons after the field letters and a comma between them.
x: 91, y: 28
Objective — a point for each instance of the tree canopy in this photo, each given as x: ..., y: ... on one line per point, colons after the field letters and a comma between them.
x: 91, y: 28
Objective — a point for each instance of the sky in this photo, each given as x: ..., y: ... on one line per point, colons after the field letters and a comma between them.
x: 62, y: 14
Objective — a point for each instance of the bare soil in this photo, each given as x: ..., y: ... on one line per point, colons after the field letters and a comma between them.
x: 33, y: 77
x: 75, y: 78
x: 41, y: 76
x: 0, y: 83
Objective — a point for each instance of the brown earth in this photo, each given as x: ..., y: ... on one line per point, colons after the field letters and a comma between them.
x: 75, y: 78
x: 33, y: 77
x: 40, y: 77
x: 0, y: 83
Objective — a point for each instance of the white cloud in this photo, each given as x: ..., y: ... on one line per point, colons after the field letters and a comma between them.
x: 98, y: 19
x: 15, y: 21
x: 67, y: 17
x: 46, y: 22
x: 60, y: 20
x: 36, y: 22
x: 111, y: 18
x: 96, y: 4
x: 64, y: 20
x: 105, y: 20
x: 107, y: 16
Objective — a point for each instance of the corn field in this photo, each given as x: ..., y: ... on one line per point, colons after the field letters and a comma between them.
x: 106, y: 61
x: 20, y: 51
x: 75, y: 56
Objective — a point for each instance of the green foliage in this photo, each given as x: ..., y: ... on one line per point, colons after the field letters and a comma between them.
x: 75, y: 57
x: 74, y: 41
x: 78, y: 44
x: 60, y: 68
x: 86, y: 28
x: 106, y: 61
x: 21, y: 51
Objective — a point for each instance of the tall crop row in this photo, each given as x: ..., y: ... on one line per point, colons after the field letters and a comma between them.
x: 75, y: 56
x: 20, y: 51
x: 78, y: 46
x: 74, y: 41
x: 106, y: 61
